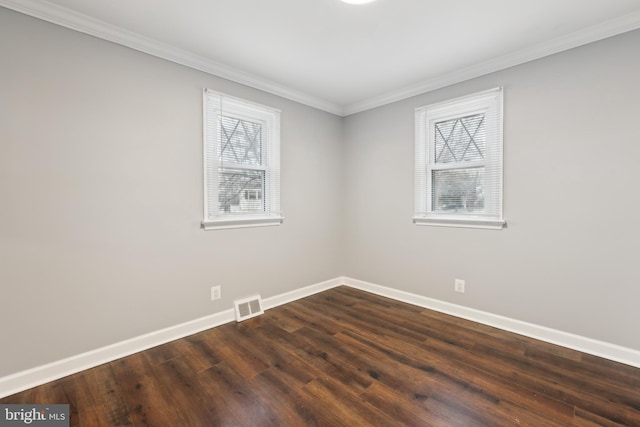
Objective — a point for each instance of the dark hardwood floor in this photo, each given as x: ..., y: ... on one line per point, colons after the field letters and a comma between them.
x: 349, y: 358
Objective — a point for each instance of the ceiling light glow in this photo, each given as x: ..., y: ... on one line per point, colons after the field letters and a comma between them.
x: 357, y: 1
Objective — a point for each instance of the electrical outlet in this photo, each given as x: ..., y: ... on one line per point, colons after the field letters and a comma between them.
x: 459, y: 286
x: 216, y: 293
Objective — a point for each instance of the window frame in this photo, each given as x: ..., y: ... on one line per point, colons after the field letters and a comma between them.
x: 490, y: 104
x: 215, y: 105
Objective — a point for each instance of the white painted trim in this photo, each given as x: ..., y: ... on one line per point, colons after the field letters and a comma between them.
x: 29, y: 378
x: 226, y: 223
x: 85, y: 24
x: 216, y: 105
x: 582, y: 37
x: 52, y: 371
x: 42, y: 374
x: 488, y: 224
x: 297, y: 294
x: 488, y: 103
x: 576, y: 342
x: 79, y: 22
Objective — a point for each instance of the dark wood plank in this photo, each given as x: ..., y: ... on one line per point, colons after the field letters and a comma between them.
x: 345, y: 357
x: 344, y: 404
x: 231, y: 391
x: 149, y: 401
x: 97, y: 398
x: 443, y: 371
x: 301, y: 313
x: 280, y: 390
x: 587, y: 419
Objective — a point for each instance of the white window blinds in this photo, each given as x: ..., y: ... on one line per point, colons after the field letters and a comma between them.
x: 458, y: 172
x: 241, y: 163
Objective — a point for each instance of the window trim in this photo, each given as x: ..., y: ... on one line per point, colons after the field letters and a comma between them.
x: 489, y: 102
x: 214, y: 105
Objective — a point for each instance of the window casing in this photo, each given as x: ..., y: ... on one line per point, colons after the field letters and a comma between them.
x: 241, y: 163
x: 458, y: 173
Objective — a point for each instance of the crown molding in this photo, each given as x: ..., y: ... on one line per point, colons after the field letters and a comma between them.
x: 582, y: 37
x: 55, y: 14
x: 67, y: 18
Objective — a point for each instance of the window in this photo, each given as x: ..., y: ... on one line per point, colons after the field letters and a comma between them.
x: 241, y: 163
x: 458, y: 177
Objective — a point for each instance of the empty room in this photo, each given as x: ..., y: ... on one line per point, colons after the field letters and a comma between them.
x: 319, y: 213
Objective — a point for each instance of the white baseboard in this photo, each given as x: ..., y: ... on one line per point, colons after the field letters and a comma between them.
x: 52, y: 371
x: 297, y: 294
x: 603, y: 349
x: 29, y: 378
x: 61, y: 368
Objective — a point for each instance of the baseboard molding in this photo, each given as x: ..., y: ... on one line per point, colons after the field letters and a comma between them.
x: 603, y: 349
x: 34, y: 377
x: 42, y: 374
x: 297, y: 294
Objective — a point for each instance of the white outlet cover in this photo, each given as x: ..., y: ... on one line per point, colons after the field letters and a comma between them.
x: 459, y: 285
x: 215, y: 293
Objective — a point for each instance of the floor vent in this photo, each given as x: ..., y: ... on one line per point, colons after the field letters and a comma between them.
x: 247, y: 308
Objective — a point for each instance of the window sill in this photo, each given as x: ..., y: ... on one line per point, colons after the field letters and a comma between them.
x: 490, y: 224
x: 224, y: 223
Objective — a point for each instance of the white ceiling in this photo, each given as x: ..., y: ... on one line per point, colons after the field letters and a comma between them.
x: 338, y: 57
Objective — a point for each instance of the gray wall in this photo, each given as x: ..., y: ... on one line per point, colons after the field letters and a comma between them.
x: 101, y: 197
x: 571, y: 143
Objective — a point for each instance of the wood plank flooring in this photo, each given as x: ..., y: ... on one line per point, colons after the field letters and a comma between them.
x: 349, y: 358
